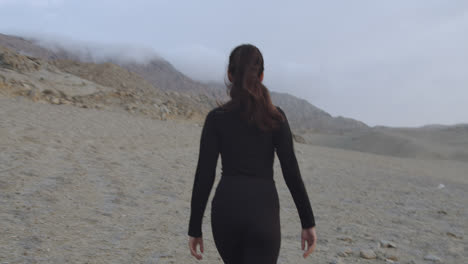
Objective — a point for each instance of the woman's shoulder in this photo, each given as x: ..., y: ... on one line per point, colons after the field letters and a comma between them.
x: 216, y: 111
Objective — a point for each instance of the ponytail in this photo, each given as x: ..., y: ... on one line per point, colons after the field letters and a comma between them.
x: 247, y: 91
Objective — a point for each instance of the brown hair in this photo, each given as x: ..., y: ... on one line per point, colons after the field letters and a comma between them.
x: 246, y: 90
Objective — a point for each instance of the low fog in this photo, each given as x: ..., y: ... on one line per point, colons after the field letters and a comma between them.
x: 392, y: 63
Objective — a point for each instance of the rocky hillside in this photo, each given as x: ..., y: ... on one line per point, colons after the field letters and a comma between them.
x: 313, y: 119
x: 157, y: 90
x: 161, y: 74
x: 88, y: 85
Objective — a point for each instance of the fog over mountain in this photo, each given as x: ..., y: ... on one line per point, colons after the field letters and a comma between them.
x: 54, y: 73
x: 395, y: 63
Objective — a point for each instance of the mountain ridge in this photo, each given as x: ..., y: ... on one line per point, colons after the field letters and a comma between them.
x: 163, y: 75
x: 57, y: 79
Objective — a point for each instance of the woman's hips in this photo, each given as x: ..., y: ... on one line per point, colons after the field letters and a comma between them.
x: 248, y: 195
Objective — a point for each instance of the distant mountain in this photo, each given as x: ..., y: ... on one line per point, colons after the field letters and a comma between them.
x: 163, y: 75
x: 307, y: 117
x: 157, y: 90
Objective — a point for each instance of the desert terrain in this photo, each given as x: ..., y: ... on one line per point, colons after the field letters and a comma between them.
x: 96, y: 186
x: 97, y: 163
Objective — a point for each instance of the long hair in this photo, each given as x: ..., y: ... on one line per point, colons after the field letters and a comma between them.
x: 248, y: 94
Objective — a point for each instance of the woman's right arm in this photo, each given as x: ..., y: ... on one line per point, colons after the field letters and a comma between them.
x: 283, y: 142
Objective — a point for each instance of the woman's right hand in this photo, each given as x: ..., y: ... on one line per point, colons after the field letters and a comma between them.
x: 308, y: 235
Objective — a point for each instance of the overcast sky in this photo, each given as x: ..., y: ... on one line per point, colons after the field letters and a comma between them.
x: 395, y: 63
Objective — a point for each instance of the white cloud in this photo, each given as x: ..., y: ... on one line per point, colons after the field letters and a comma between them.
x: 370, y: 60
x: 32, y: 3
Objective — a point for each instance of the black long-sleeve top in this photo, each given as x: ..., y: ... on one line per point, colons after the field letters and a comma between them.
x: 244, y: 150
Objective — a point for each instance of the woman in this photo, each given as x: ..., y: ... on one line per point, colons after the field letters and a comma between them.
x: 247, y: 130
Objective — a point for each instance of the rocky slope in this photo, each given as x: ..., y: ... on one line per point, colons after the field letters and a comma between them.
x: 87, y: 85
x: 161, y: 74
x: 61, y: 77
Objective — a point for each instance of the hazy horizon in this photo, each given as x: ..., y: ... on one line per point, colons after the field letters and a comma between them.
x: 391, y: 64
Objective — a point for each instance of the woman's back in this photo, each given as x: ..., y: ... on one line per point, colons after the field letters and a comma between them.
x: 245, y: 150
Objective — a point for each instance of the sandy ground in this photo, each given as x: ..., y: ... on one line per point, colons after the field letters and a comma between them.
x: 93, y: 186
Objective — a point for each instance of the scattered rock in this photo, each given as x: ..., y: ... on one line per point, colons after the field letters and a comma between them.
x: 391, y: 258
x: 55, y: 100
x: 13, y: 61
x: 299, y: 139
x: 130, y: 108
x: 387, y: 244
x: 432, y: 258
x: 345, y: 238
x: 164, y: 109
x: 64, y: 101
x: 450, y: 234
x: 336, y: 261
x: 368, y: 254
x: 345, y: 252
x: 157, y: 101
x: 34, y: 94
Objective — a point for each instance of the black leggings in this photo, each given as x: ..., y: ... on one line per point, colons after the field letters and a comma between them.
x: 245, y: 220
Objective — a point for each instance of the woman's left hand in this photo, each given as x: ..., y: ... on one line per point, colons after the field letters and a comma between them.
x: 193, y: 242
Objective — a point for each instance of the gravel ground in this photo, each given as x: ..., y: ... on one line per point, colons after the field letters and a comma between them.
x: 95, y: 186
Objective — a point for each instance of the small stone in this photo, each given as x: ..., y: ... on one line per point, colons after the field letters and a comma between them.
x: 299, y: 139
x: 34, y: 96
x: 433, y: 258
x: 157, y: 101
x: 387, y: 244
x: 392, y: 258
x: 345, y: 238
x: 48, y: 92
x: 55, y: 100
x: 450, y: 234
x: 336, y: 261
x: 165, y: 109
x: 368, y: 254
x: 64, y: 101
x: 345, y: 252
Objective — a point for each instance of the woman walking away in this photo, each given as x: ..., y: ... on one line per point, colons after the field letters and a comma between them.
x: 247, y: 131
